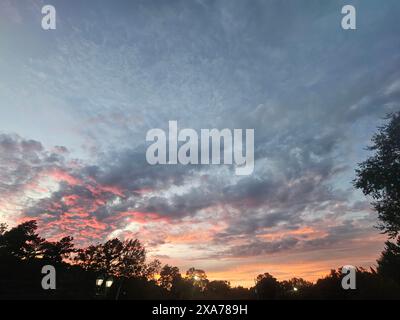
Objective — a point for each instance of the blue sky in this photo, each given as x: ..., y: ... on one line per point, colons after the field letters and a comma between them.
x: 112, y: 70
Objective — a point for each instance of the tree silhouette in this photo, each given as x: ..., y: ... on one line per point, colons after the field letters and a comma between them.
x: 132, y: 259
x: 389, y: 262
x: 267, y: 287
x: 369, y: 285
x: 119, y: 258
x: 57, y: 251
x: 169, y: 276
x: 21, y: 242
x: 197, y: 277
x: 218, y: 289
x: 152, y: 269
x: 23, y: 253
x: 379, y: 175
x: 295, y: 287
x: 3, y: 228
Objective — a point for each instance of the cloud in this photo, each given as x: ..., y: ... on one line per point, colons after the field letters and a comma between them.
x: 95, y: 201
x: 23, y: 164
x: 312, y: 92
x: 258, y: 248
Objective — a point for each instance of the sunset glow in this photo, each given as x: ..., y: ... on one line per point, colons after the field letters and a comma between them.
x: 76, y: 104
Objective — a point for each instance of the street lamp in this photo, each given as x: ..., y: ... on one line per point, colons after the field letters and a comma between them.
x: 109, y: 282
x: 103, y: 285
x: 99, y: 281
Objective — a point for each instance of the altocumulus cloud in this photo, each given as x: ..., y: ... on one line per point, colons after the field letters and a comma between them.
x: 111, y: 72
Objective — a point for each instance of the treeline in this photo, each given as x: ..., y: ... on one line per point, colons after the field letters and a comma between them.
x: 23, y: 253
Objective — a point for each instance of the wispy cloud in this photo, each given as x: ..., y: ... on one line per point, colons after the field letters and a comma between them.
x: 76, y: 104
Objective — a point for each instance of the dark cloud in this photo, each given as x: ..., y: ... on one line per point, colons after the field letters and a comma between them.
x: 22, y: 161
x: 341, y: 235
x: 129, y: 169
x: 258, y: 248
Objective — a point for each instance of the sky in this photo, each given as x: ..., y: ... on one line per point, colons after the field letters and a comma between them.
x: 76, y: 104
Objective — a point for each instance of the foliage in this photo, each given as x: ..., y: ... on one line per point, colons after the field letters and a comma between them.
x: 169, y: 277
x: 23, y: 253
x: 197, y: 277
x: 58, y: 251
x: 115, y: 257
x: 379, y: 175
x: 267, y: 287
x: 21, y: 242
x: 389, y: 262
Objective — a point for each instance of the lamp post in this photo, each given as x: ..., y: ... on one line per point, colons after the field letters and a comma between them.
x: 109, y: 282
x: 99, y: 281
x: 103, y: 285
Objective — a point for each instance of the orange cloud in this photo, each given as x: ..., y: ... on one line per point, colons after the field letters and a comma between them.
x: 60, y: 175
x: 304, y: 232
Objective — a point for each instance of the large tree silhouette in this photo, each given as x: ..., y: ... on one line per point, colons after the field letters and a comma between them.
x: 379, y: 175
x: 120, y: 258
x: 21, y: 242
